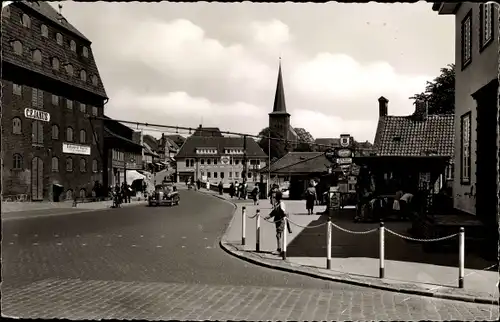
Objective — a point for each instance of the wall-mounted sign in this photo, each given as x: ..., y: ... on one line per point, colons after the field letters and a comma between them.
x: 345, y: 140
x: 36, y: 115
x: 224, y: 159
x: 344, y: 160
x: 344, y: 153
x: 72, y: 148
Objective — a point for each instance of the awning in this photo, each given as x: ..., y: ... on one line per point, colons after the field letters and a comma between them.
x: 132, y: 175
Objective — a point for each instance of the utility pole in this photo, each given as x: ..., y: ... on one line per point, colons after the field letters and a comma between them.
x: 245, y: 167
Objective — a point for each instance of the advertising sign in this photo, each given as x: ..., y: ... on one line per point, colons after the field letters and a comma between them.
x: 330, y: 155
x: 36, y: 115
x: 344, y: 153
x: 344, y: 160
x: 72, y: 148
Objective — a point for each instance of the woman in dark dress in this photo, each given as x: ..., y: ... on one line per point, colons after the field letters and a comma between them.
x: 310, y: 198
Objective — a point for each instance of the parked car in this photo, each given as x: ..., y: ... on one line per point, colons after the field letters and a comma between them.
x: 164, y: 194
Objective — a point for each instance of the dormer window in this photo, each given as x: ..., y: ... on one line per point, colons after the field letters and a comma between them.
x: 37, y: 56
x: 72, y: 46
x: 83, y: 75
x: 59, y: 39
x: 85, y: 52
x: 18, y: 47
x: 94, y: 80
x: 44, y: 30
x: 55, y: 63
x: 26, y: 21
x: 69, y: 69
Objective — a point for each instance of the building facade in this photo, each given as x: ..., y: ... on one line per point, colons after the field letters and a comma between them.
x: 50, y: 149
x: 215, y: 158
x: 476, y: 86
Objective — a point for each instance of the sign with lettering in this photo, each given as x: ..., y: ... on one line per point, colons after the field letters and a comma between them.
x: 330, y: 155
x: 72, y: 148
x: 36, y: 115
x: 344, y: 160
x: 344, y: 153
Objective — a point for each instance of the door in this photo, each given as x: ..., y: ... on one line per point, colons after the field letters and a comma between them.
x: 36, y: 179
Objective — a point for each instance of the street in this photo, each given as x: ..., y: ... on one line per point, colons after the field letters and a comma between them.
x: 165, y: 263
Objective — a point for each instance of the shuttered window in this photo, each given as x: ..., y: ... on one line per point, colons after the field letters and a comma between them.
x: 37, y: 132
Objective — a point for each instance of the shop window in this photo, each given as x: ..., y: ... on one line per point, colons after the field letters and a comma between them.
x: 17, y: 161
x: 16, y: 125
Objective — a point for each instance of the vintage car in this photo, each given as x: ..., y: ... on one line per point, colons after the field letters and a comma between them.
x: 164, y: 194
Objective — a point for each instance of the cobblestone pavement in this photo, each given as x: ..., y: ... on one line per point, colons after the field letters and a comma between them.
x: 77, y: 299
x: 164, y: 263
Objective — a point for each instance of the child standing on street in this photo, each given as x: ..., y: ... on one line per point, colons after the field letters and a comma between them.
x: 279, y: 214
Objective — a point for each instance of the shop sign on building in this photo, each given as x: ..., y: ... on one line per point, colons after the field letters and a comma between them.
x: 36, y: 115
x: 344, y: 160
x: 71, y: 148
x: 344, y: 153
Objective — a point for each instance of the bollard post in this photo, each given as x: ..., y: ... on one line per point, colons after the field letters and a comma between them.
x: 461, y: 257
x: 243, y: 224
x: 329, y: 244
x: 257, y: 238
x: 382, y: 250
x: 283, y: 248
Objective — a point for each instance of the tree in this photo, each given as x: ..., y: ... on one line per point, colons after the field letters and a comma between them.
x: 440, y: 93
x: 278, y: 147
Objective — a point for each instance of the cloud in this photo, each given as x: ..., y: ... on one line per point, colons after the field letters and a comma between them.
x: 340, y: 77
x: 273, y: 33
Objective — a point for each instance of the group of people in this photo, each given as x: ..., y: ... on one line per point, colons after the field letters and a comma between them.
x: 120, y: 194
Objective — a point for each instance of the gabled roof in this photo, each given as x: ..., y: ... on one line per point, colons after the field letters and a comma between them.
x: 300, y: 162
x: 279, y: 97
x: 406, y: 136
x: 189, y: 147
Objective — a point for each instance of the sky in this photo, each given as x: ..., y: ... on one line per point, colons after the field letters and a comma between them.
x: 185, y: 64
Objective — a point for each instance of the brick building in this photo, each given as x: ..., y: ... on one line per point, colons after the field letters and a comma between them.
x: 50, y: 83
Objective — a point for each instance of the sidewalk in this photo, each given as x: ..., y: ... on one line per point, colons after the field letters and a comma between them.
x: 355, y: 256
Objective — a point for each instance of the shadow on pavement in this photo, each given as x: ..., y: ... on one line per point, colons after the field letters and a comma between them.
x: 311, y: 242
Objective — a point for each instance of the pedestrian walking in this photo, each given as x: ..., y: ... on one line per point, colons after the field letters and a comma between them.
x: 311, y: 197
x: 255, y: 194
x: 279, y: 213
x: 272, y: 194
x: 231, y: 190
x: 198, y: 184
x: 221, y: 188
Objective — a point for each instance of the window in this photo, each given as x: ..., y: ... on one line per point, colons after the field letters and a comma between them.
x: 187, y: 163
x: 83, y: 193
x: 215, y: 161
x: 59, y: 39
x: 83, y: 75
x: 85, y: 52
x: 55, y: 164
x: 37, y: 56
x: 26, y: 21
x: 94, y: 111
x: 72, y: 45
x: 55, y: 132
x: 94, y: 80
x: 55, y: 100
x: 18, y: 47
x: 222, y: 175
x: 17, y: 161
x: 465, y: 168
x: 95, y: 166
x: 83, y: 108
x: 202, y: 161
x: 230, y: 174
x: 236, y: 162
x: 69, y: 194
x: 83, y: 165
x: 486, y: 27
x: 69, y: 69
x: 55, y: 63
x: 467, y: 39
x: 44, y: 31
x: 69, y: 164
x: 236, y: 174
x: 36, y: 97
x: 69, y: 104
x: 209, y: 174
x: 69, y: 134
x: 191, y: 163
x: 209, y: 161
x: 83, y: 136
x: 37, y: 132
x: 215, y: 175
x: 17, y: 89
x: 6, y: 12
x: 16, y: 125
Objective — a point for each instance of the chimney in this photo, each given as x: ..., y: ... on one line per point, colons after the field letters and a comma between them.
x: 382, y: 106
x: 420, y: 110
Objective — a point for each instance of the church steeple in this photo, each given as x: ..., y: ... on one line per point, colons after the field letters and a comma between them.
x: 279, y: 98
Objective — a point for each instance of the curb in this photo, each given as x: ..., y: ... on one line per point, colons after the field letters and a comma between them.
x: 287, y: 267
